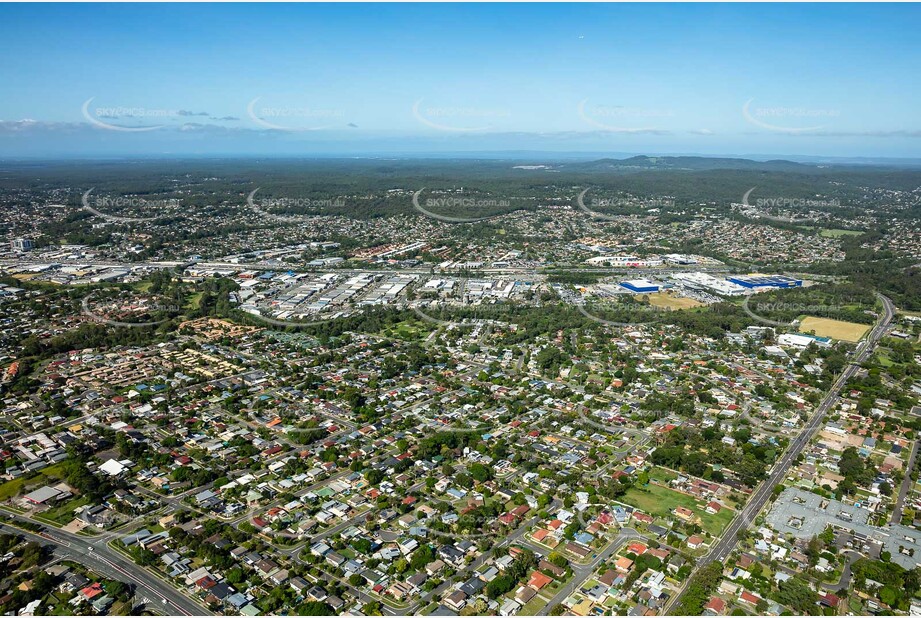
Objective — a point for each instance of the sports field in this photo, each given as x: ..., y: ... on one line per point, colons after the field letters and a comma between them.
x: 670, y: 301
x: 836, y: 329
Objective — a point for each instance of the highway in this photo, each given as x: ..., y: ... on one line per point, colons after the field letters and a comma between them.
x: 727, y: 543
x: 95, y: 554
x: 527, y: 272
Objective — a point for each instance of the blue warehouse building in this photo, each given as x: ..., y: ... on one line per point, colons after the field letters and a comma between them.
x: 641, y: 286
x: 765, y: 281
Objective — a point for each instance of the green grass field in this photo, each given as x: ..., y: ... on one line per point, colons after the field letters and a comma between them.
x: 883, y: 358
x: 660, y: 502
x: 662, y: 475
x: 63, y: 513
x: 194, y: 301
x: 835, y: 233
x: 11, y: 489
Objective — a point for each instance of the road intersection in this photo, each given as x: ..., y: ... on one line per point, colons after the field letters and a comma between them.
x: 759, y: 498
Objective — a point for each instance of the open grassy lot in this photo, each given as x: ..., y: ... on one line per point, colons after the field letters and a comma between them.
x: 408, y: 331
x: 883, y: 358
x: 533, y: 606
x: 194, y: 301
x: 63, y: 513
x: 836, y: 329
x: 835, y: 233
x: 671, y: 301
x: 662, y: 475
x: 11, y: 489
x: 660, y: 501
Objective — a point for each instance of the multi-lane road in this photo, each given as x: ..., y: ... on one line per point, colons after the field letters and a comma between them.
x: 721, y: 550
x: 94, y: 553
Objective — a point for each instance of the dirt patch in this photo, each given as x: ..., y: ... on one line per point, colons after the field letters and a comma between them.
x: 669, y: 300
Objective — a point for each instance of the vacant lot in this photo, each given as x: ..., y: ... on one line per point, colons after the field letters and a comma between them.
x: 835, y: 233
x: 824, y: 327
x: 671, y: 301
x: 660, y: 501
x: 12, y: 489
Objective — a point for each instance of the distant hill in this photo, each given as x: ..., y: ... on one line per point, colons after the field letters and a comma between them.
x: 644, y: 162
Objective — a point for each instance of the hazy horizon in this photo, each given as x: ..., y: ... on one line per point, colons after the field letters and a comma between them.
x: 336, y: 80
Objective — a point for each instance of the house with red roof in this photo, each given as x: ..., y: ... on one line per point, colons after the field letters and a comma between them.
x: 636, y: 548
x: 715, y: 606
x: 623, y: 564
x: 643, y: 517
x: 206, y: 583
x: 521, y: 511
x: 540, y: 534
x: 91, y: 592
x: 829, y: 600
x: 748, y: 597
x: 538, y: 580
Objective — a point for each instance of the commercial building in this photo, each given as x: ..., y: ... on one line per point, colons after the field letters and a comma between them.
x: 47, y: 495
x: 802, y: 341
x: 640, y: 286
x: 753, y: 282
x: 804, y: 515
x: 628, y: 261
x: 709, y: 283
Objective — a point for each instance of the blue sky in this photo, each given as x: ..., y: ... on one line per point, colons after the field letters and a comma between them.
x: 801, y: 79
